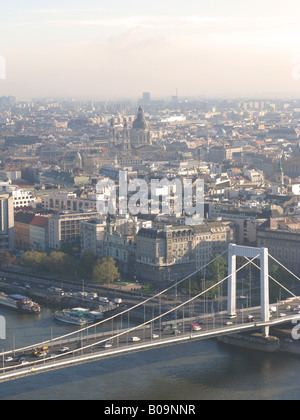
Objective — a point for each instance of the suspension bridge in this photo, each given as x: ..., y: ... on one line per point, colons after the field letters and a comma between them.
x: 187, y: 319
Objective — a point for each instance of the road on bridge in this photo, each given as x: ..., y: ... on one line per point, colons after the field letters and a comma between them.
x: 156, y: 334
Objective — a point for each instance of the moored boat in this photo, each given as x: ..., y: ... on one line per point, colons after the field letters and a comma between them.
x: 73, y: 316
x: 19, y: 303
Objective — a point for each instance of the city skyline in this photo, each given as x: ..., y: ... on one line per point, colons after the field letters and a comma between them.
x: 125, y: 48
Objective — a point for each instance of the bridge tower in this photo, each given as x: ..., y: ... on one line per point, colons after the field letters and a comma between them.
x: 250, y: 252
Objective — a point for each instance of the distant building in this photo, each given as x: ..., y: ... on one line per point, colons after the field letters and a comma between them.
x: 146, y: 98
x: 6, y: 222
x: 68, y: 201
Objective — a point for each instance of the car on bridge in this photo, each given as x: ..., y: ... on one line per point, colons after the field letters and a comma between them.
x: 64, y: 349
x: 135, y: 339
x: 196, y: 327
x: 107, y: 345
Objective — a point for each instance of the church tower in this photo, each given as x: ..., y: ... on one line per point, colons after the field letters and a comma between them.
x: 112, y: 134
x: 280, y: 174
x: 126, y: 142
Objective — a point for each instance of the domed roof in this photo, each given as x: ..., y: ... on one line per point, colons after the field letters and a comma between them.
x: 140, y: 121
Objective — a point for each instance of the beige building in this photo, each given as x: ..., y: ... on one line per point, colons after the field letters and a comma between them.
x: 65, y: 228
x: 282, y: 238
x: 93, y: 233
x: 122, y: 248
x: 68, y: 201
x: 174, y: 252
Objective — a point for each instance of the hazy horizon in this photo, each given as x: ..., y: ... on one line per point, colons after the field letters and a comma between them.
x: 112, y: 49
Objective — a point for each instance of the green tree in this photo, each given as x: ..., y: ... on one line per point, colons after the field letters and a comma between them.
x: 55, y: 262
x: 282, y: 276
x: 217, y: 270
x: 34, y: 260
x: 7, y: 259
x: 105, y: 271
x: 87, y: 264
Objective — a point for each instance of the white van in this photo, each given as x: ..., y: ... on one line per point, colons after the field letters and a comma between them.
x: 135, y: 339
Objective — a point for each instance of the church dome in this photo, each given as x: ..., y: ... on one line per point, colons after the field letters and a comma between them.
x: 140, y: 121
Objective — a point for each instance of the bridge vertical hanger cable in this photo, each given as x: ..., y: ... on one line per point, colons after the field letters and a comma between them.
x: 80, y: 350
x: 276, y: 281
x: 158, y: 295
x: 283, y: 266
x: 160, y: 316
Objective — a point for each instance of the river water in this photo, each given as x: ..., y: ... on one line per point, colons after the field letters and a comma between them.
x: 203, y: 370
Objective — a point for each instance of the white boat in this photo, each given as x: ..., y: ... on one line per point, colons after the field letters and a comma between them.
x: 71, y: 316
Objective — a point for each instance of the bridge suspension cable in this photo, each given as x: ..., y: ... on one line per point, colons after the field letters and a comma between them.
x: 85, y: 329
x: 173, y: 309
x: 81, y: 349
x: 276, y: 281
x: 283, y: 266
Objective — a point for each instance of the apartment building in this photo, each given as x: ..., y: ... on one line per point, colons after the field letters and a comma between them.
x: 65, y: 228
x: 93, y: 234
x: 282, y: 237
x: 68, y: 201
x: 122, y: 248
x: 6, y: 222
x: 173, y: 252
x: 31, y: 231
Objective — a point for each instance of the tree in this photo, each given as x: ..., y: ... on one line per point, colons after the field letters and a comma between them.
x: 55, y: 262
x: 282, y: 276
x: 33, y: 259
x: 87, y: 263
x: 6, y: 258
x: 217, y: 269
x: 105, y: 271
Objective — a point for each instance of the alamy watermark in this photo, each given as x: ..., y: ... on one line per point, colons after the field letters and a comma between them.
x: 2, y: 328
x: 2, y: 68
x: 296, y: 329
x: 137, y: 196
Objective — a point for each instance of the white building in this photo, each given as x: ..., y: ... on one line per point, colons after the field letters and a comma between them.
x: 6, y: 222
x: 93, y: 234
x: 21, y: 198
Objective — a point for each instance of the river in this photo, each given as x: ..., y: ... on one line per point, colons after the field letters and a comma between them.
x: 203, y: 370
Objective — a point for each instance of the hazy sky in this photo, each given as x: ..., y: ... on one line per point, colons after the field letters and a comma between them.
x: 121, y: 48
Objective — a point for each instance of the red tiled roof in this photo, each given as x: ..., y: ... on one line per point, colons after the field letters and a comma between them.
x: 39, y: 221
